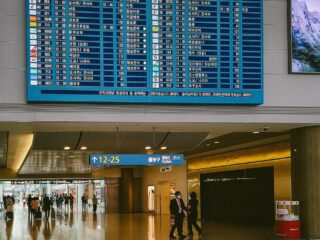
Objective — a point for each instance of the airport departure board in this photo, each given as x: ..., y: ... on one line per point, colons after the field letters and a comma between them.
x: 145, y: 51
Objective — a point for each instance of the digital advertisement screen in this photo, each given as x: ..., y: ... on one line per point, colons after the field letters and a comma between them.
x: 145, y: 51
x: 305, y: 36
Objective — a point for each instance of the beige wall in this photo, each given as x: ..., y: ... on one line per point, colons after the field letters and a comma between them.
x: 152, y: 176
x: 107, y: 173
x: 114, y: 172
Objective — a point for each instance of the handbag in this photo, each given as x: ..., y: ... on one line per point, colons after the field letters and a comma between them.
x: 172, y: 220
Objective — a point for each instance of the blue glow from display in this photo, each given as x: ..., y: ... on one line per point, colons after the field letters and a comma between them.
x: 135, y: 159
x: 139, y: 51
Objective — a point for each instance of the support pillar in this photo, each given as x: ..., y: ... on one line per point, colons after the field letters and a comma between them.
x: 49, y: 188
x: 305, y: 155
x: 90, y: 190
x: 80, y: 192
x: 126, y: 190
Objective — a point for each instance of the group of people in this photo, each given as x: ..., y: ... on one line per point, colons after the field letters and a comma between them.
x: 47, y: 202
x: 177, y: 211
x: 84, y: 200
x: 63, y: 199
x: 34, y: 206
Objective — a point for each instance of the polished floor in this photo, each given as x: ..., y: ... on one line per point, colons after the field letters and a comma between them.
x: 69, y: 225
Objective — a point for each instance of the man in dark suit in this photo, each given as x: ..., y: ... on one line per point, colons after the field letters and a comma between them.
x: 177, y: 208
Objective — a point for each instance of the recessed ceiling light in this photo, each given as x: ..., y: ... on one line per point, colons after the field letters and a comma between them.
x: 148, y: 148
x: 208, y: 144
x: 163, y: 148
x: 83, y: 148
x: 67, y: 148
x: 216, y: 142
x: 57, y: 156
x: 72, y: 156
x: 255, y: 132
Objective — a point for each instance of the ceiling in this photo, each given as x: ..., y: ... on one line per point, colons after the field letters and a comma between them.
x: 121, y: 142
x: 48, y: 155
x: 49, y: 139
x: 216, y: 128
x: 53, y: 162
x: 232, y: 139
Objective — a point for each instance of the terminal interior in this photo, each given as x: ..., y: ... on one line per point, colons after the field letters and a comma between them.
x: 233, y: 85
x: 237, y: 173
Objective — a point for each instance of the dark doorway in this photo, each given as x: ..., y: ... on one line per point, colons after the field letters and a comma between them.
x: 243, y: 196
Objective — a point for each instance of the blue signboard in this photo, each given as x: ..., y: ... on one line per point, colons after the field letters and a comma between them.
x: 141, y: 51
x: 135, y: 159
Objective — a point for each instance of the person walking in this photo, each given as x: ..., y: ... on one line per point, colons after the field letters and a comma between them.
x: 177, y: 208
x: 4, y: 198
x: 52, y: 199
x: 66, y: 201
x: 94, y: 203
x: 9, y: 208
x: 71, y: 199
x: 60, y: 201
x: 46, y: 205
x: 193, y: 214
x: 34, y: 206
x: 29, y: 204
x: 84, y: 202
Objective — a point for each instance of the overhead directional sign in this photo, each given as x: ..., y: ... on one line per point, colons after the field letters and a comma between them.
x: 145, y: 51
x: 135, y: 159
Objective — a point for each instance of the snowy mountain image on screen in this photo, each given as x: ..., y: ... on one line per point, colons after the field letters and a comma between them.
x: 305, y: 33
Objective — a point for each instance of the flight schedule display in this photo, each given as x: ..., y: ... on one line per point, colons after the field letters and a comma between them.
x: 145, y: 51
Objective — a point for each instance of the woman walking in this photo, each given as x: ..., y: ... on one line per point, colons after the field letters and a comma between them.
x: 193, y: 214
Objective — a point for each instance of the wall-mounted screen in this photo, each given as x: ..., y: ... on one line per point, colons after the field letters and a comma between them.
x: 145, y: 51
x: 304, y: 36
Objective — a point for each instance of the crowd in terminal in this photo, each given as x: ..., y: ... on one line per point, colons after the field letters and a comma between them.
x: 45, y: 203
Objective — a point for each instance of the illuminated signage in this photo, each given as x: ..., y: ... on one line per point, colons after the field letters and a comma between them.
x: 135, y: 159
x: 140, y: 51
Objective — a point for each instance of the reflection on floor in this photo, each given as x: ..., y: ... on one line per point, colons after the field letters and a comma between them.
x: 66, y: 225
x: 224, y: 231
x: 86, y: 225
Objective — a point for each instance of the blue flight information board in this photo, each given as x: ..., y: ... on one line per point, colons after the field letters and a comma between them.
x: 135, y: 159
x: 145, y: 51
